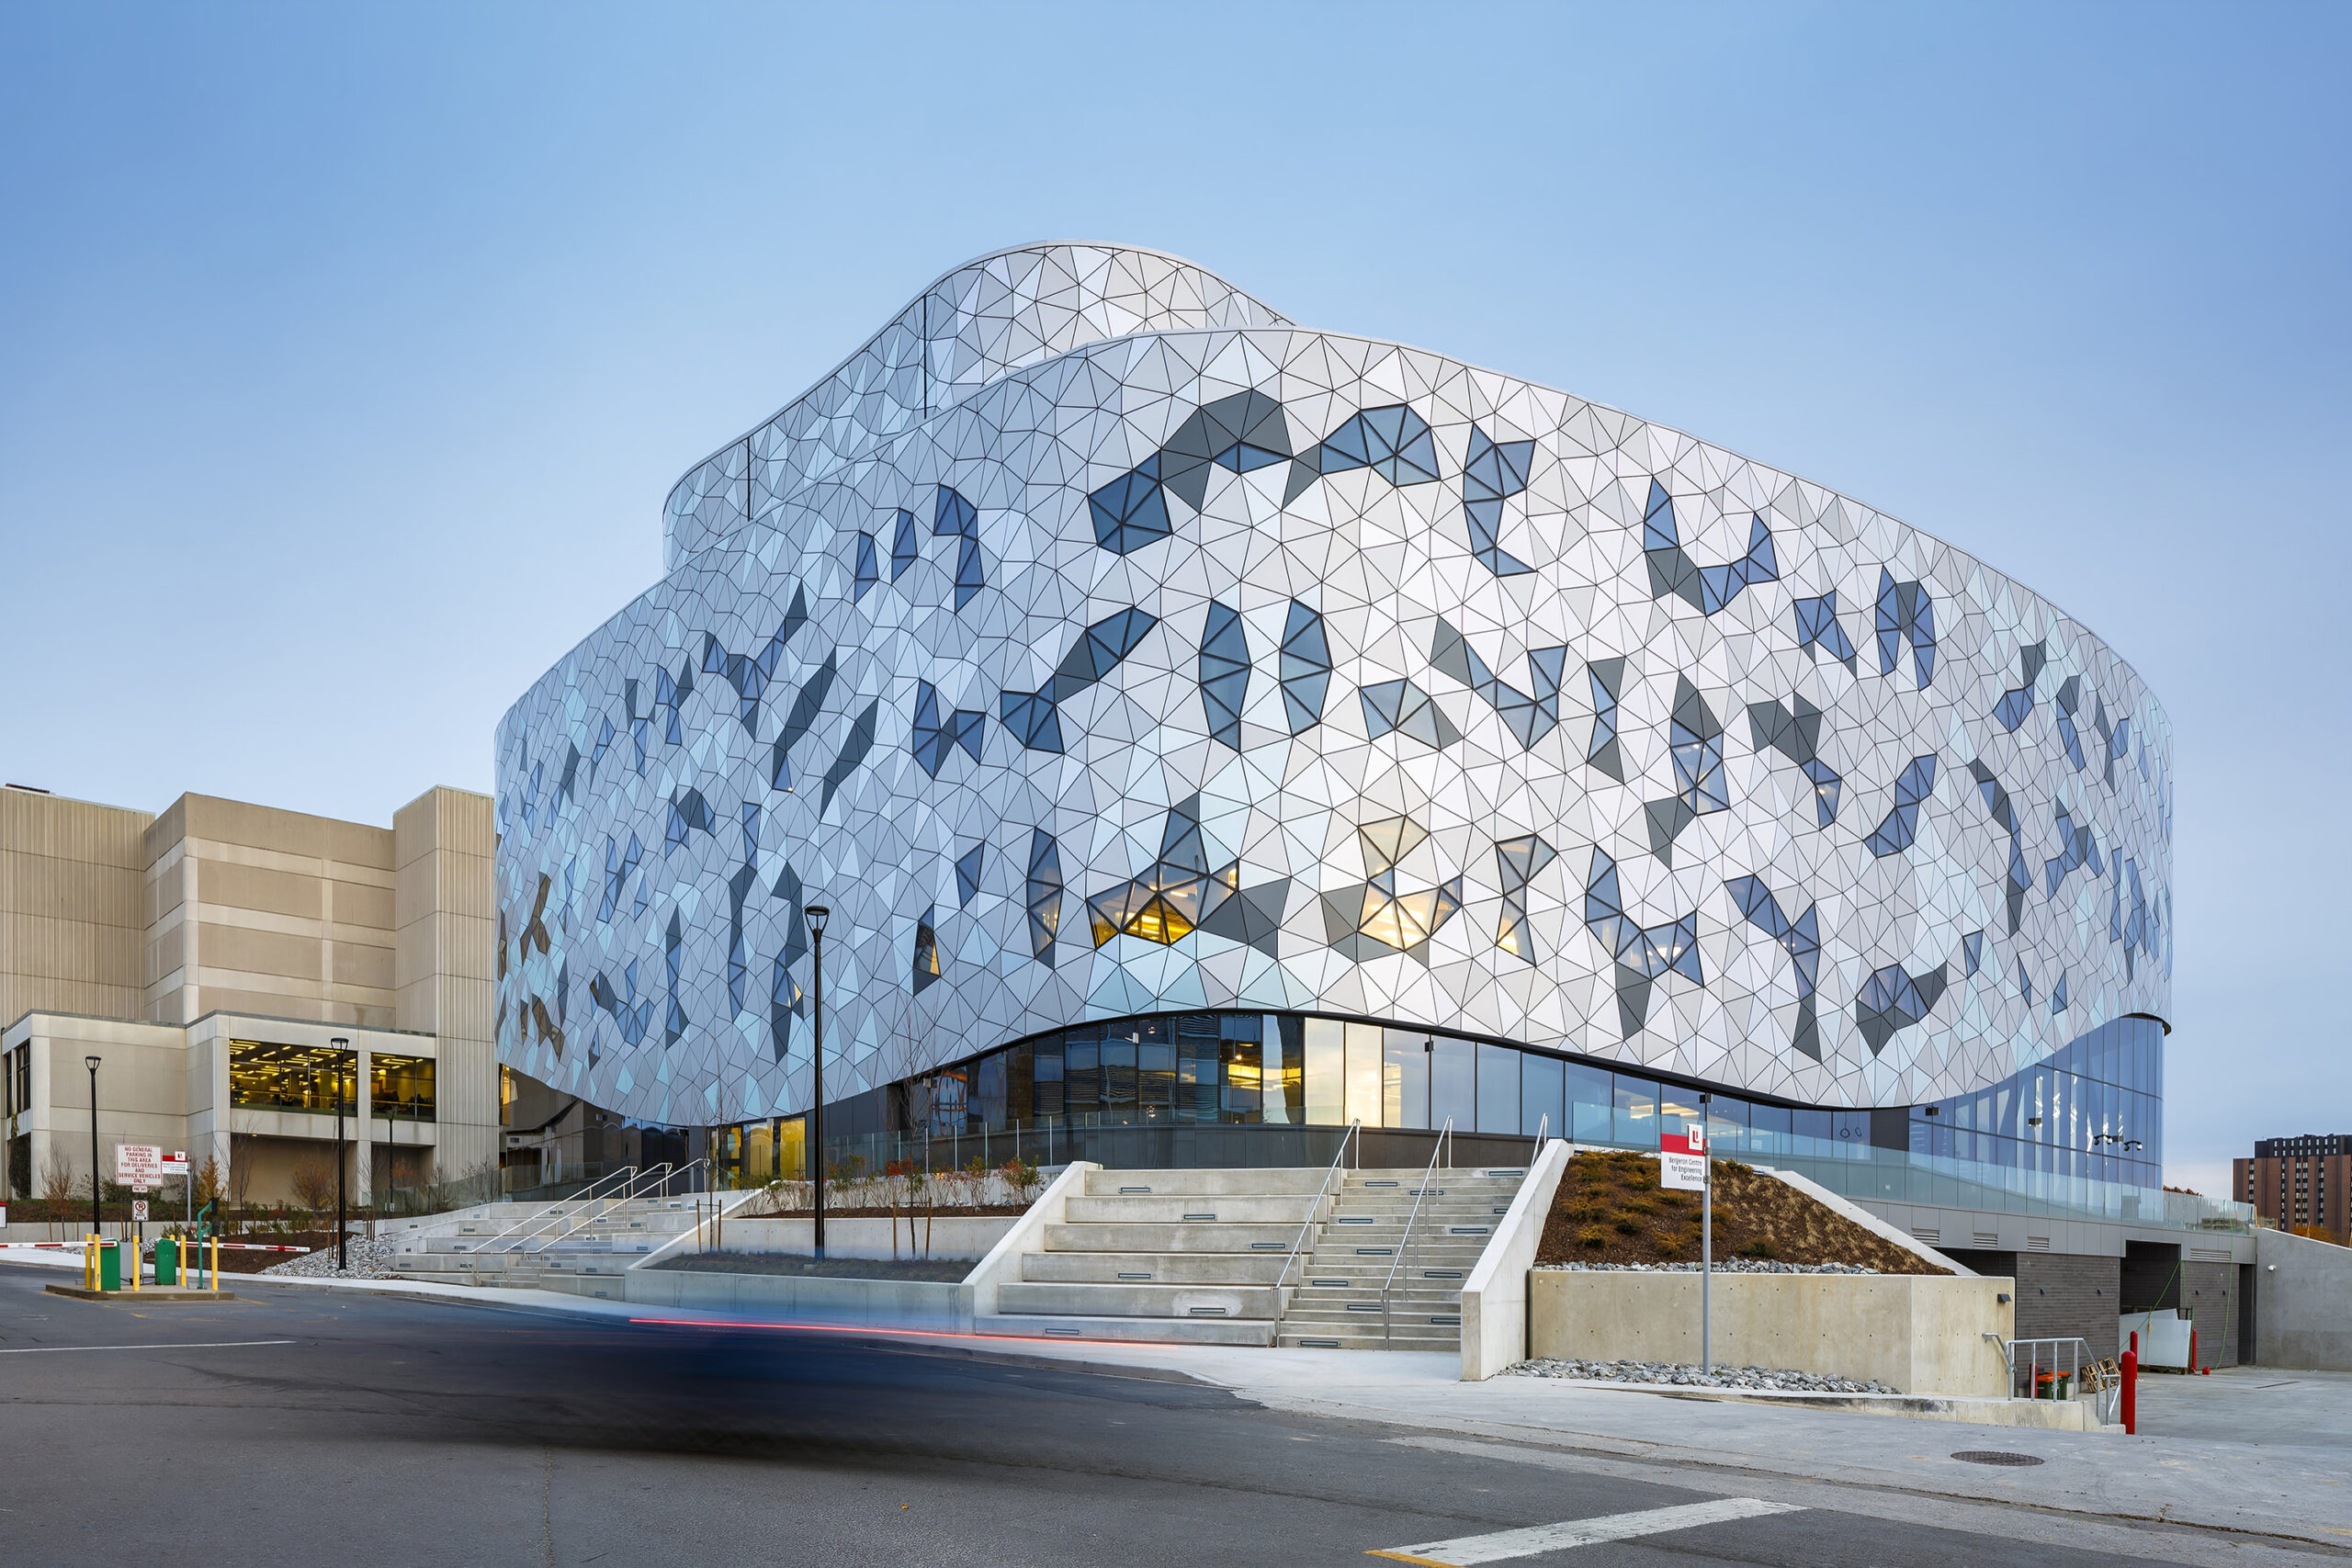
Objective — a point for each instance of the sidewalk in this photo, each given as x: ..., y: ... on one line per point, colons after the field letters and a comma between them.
x: 2265, y: 1494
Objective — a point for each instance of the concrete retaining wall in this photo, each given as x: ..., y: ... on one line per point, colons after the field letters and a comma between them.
x: 1918, y: 1333
x: 949, y: 1236
x: 1003, y: 1264
x: 1494, y: 1299
x: 2302, y: 1303
x: 877, y: 1304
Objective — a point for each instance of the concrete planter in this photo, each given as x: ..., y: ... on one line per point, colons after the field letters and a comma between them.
x: 1919, y: 1334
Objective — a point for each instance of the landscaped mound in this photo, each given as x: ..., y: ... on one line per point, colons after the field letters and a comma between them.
x: 1610, y: 1209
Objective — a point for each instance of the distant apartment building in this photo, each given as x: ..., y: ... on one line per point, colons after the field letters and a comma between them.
x: 2298, y: 1182
x: 233, y: 971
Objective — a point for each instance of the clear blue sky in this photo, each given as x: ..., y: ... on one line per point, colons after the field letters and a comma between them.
x: 346, y: 353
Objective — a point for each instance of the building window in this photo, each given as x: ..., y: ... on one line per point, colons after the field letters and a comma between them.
x: 400, y: 1088
x: 264, y: 1077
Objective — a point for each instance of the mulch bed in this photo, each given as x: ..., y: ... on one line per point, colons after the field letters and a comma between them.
x: 237, y: 1260
x: 950, y: 1270
x: 1610, y: 1209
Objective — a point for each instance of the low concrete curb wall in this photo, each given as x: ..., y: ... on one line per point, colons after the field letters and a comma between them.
x: 1918, y: 1333
x: 879, y: 1304
x: 951, y: 1237
x: 2301, y: 1292
x: 1494, y: 1299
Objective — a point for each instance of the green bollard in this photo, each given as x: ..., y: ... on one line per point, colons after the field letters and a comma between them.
x: 167, y: 1262
x: 109, y: 1265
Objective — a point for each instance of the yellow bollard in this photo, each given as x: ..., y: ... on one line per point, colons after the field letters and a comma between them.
x: 130, y: 1245
x: 89, y: 1262
x: 216, y: 1262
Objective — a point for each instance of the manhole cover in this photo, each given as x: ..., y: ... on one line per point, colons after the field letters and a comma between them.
x: 1994, y: 1456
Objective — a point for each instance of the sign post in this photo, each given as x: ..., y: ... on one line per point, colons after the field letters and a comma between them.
x: 1683, y: 1165
x: 175, y: 1163
x: 1706, y: 1245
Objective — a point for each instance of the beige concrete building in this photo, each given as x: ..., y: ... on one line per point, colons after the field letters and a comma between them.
x: 229, y: 964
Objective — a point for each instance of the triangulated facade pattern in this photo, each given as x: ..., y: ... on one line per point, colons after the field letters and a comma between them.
x: 1095, y: 642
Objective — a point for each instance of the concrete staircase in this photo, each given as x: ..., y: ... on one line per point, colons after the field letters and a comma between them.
x: 1189, y: 1257
x: 1206, y: 1257
x: 1336, y: 1304
x: 578, y: 1246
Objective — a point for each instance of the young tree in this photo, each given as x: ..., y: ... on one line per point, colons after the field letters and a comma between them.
x: 313, y: 1182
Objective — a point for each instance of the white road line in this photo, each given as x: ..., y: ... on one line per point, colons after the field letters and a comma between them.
x: 1472, y: 1549
x: 199, y: 1344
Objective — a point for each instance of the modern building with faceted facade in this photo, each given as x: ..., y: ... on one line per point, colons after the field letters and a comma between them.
x: 1194, y: 718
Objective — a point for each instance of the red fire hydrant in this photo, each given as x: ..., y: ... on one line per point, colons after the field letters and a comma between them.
x: 2132, y: 1390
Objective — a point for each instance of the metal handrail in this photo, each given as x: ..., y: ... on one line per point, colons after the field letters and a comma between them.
x: 524, y: 1230
x: 1444, y: 1140
x: 1354, y: 1127
x: 665, y: 1173
x: 2033, y: 1364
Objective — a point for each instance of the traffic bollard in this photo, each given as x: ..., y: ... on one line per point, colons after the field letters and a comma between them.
x: 2131, y: 1392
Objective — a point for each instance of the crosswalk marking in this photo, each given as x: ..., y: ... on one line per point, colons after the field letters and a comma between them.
x: 1466, y: 1550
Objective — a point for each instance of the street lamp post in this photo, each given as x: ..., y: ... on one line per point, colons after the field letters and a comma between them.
x: 341, y: 1264
x: 818, y: 915
x: 97, y: 1220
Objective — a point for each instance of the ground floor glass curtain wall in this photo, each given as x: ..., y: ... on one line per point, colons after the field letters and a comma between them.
x: 2079, y: 1132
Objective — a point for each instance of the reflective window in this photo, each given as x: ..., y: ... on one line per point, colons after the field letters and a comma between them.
x: 400, y: 1088
x: 1497, y: 1089
x: 264, y: 1077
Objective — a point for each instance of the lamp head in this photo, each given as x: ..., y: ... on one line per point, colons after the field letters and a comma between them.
x: 91, y: 1062
x: 818, y: 915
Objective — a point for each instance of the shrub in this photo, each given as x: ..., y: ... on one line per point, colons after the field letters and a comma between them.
x: 1763, y: 1249
x: 1628, y: 1225
x: 1592, y: 1235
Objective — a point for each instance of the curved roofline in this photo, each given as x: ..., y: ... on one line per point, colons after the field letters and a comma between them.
x: 843, y: 362
x: 1089, y: 347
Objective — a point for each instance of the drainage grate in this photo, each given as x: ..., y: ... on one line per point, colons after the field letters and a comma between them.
x: 1342, y: 1284
x: 1123, y: 1191
x: 1318, y: 1344
x: 1204, y: 1311
x: 1384, y: 1184
x: 1200, y: 1216
x: 1135, y: 1276
x: 1994, y: 1456
x: 1270, y: 1246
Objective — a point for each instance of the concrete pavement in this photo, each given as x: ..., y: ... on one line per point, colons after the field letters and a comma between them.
x: 2212, y: 1456
x: 2199, y: 1460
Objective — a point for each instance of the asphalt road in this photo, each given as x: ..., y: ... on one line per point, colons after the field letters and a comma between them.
x: 334, y: 1427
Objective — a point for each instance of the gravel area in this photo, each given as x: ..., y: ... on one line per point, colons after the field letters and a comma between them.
x: 1722, y: 1266
x: 1781, y: 1381
x: 369, y: 1260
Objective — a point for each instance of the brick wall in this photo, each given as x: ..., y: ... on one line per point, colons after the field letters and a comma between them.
x: 2058, y: 1295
